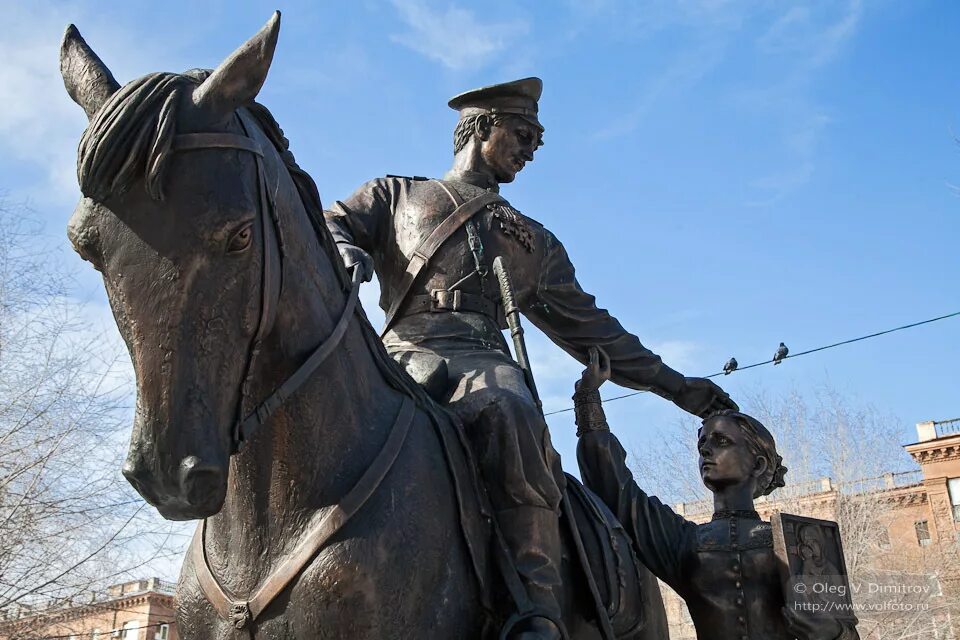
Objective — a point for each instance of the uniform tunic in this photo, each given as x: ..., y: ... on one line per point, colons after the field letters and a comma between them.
x: 725, y: 569
x: 390, y: 217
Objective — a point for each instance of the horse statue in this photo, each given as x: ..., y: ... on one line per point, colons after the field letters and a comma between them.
x: 336, y: 499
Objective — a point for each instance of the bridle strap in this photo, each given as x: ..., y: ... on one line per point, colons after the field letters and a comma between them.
x: 242, y: 612
x: 272, y: 270
x: 271, y: 282
x: 340, y: 514
x: 265, y: 409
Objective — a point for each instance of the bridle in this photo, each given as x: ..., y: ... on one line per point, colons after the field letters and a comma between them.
x: 242, y: 612
x: 271, y: 283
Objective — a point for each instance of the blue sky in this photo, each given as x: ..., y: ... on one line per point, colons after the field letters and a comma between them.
x: 725, y: 175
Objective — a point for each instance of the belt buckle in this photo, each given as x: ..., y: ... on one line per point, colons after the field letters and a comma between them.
x: 443, y: 300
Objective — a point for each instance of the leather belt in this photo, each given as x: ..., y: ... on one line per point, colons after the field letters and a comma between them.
x: 440, y: 300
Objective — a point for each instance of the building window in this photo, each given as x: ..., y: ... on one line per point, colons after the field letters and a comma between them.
x: 883, y: 538
x: 953, y: 488
x: 923, y: 532
x: 131, y: 630
x: 163, y: 632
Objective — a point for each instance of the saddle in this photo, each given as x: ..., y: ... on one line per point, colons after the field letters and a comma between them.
x: 628, y: 591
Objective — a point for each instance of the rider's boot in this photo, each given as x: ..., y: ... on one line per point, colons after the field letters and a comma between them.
x: 533, y: 536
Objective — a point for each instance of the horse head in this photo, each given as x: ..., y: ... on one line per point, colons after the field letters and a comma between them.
x: 184, y: 247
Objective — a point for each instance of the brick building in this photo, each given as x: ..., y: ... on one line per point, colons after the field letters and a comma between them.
x: 138, y: 610
x: 910, y: 524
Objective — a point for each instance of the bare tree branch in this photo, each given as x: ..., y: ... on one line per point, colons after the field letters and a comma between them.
x: 69, y: 522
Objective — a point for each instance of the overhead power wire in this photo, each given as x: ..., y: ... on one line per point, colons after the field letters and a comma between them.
x: 792, y: 355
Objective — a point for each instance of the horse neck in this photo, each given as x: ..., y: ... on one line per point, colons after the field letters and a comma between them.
x: 317, y: 445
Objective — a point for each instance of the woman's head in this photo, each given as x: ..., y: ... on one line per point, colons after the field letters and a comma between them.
x: 736, y: 449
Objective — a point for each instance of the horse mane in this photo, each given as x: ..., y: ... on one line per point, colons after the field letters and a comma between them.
x: 131, y: 137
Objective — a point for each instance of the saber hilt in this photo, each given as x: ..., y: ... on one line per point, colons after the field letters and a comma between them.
x: 512, y: 313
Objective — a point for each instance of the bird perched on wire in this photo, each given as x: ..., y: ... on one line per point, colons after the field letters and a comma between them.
x: 781, y: 353
x: 730, y: 367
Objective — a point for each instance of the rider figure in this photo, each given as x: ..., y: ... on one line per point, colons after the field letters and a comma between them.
x: 445, y: 324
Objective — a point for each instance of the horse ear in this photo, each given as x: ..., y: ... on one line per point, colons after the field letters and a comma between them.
x: 88, y: 81
x: 238, y: 78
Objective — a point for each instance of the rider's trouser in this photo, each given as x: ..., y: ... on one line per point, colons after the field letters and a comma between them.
x: 519, y: 465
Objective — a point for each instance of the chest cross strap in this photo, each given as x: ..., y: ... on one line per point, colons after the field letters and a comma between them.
x: 423, y: 253
x: 243, y: 612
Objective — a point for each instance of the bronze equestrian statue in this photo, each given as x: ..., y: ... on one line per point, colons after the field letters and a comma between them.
x: 431, y: 243
x: 725, y: 569
x: 337, y: 499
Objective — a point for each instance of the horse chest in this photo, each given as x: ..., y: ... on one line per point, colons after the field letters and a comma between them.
x: 343, y: 593
x: 389, y: 574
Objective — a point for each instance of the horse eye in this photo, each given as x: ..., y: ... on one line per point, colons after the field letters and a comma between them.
x: 241, y: 239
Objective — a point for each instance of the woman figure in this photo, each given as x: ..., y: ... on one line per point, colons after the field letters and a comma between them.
x: 725, y: 569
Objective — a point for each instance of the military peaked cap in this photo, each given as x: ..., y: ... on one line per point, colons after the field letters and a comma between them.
x: 517, y: 98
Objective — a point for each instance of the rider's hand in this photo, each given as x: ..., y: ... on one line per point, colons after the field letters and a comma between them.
x: 597, y: 371
x: 355, y: 257
x: 701, y: 397
x: 811, y: 626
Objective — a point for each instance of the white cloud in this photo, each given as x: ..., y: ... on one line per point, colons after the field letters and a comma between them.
x: 796, y: 41
x: 808, y: 37
x: 637, y: 19
x: 455, y: 37
x: 683, y: 72
x: 40, y: 125
x: 804, y: 39
x: 682, y: 355
x: 713, y: 23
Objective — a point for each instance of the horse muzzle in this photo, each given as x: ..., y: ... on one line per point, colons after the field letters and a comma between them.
x: 196, y: 489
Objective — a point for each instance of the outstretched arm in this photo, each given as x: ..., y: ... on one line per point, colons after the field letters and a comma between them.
x: 570, y: 316
x: 656, y: 530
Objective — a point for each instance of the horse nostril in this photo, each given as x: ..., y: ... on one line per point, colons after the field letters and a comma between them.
x: 129, y: 472
x: 201, y: 482
x: 137, y: 474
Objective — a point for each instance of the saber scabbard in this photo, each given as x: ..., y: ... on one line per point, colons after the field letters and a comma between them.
x: 512, y: 313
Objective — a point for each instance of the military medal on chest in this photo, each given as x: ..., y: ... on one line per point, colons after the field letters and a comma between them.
x: 513, y: 225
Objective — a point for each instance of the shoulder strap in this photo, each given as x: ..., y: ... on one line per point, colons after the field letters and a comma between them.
x: 423, y: 253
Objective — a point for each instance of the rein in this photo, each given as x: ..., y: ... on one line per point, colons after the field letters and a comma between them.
x: 242, y: 612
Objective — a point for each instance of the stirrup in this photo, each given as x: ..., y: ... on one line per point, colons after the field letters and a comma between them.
x: 518, y: 617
